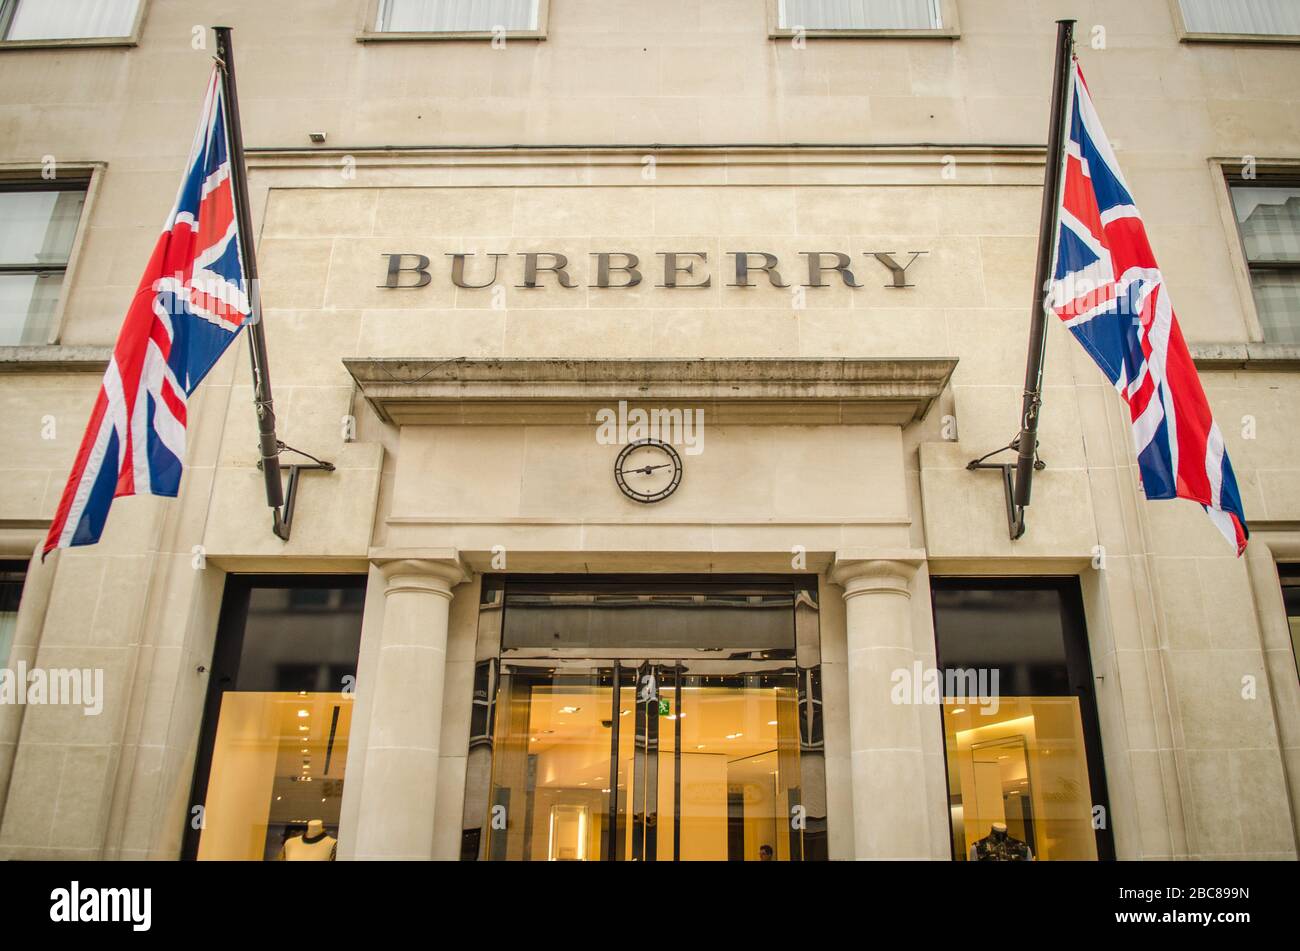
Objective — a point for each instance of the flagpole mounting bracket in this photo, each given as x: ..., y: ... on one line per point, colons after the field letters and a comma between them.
x: 282, y: 519
x: 1015, y: 513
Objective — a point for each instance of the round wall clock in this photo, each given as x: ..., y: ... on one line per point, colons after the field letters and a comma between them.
x: 648, y: 470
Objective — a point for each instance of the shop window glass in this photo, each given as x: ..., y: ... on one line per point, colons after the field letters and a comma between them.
x: 603, y: 620
x: 66, y: 19
x: 12, y: 576
x: 279, y: 717
x: 1262, y: 17
x: 456, y: 16
x: 860, y: 14
x: 1023, y: 757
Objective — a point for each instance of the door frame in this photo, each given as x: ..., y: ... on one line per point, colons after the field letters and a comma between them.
x: 803, y: 661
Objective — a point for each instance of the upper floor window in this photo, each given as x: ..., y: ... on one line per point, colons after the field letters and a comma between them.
x: 38, y: 224
x: 1241, y: 18
x: 1268, y: 215
x: 858, y: 16
x: 26, y: 20
x: 12, y: 576
x: 458, y: 16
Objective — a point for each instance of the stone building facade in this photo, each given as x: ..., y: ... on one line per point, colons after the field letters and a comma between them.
x: 838, y: 420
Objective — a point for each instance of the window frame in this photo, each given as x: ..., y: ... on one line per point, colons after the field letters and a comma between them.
x: 223, y: 671
x: 71, y: 42
x: 366, y: 32
x: 1227, y: 173
x: 13, y: 566
x: 950, y: 30
x: 1187, y: 36
x: 1079, y: 669
x: 28, y: 174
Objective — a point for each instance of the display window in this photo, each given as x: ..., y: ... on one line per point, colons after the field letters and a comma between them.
x: 273, y: 757
x: 1025, y: 779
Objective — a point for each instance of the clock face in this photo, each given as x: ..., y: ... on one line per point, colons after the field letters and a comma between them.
x: 648, y: 470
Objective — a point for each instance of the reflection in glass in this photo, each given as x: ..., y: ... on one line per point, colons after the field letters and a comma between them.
x: 1269, y: 219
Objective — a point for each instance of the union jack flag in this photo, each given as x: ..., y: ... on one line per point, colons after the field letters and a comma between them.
x: 190, y: 304
x: 1109, y: 291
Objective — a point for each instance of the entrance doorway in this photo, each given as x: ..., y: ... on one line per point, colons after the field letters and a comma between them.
x: 671, y: 721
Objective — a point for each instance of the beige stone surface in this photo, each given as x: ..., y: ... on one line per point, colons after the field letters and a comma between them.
x: 594, y: 140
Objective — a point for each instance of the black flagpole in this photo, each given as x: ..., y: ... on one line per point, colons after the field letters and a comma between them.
x: 269, y: 445
x: 1027, y: 441
x: 1018, y: 478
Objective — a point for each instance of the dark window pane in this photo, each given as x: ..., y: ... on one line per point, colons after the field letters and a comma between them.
x: 301, y: 638
x: 722, y: 620
x: 1018, y: 631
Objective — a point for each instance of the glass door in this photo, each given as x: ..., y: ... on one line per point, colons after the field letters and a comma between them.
x: 561, y: 735
x: 646, y: 761
x: 719, y: 757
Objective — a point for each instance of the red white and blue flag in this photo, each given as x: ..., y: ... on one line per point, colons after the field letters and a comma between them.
x: 190, y: 304
x: 1109, y: 291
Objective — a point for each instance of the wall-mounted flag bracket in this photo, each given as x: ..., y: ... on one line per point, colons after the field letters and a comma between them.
x: 282, y: 524
x: 1015, y: 513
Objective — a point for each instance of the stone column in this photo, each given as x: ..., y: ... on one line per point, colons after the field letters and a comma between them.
x: 400, y: 780
x: 890, y: 812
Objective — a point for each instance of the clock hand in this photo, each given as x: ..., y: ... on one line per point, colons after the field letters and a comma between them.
x: 646, y: 470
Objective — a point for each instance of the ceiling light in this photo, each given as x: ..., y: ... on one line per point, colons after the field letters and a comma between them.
x: 958, y: 709
x: 624, y: 713
x: 734, y: 736
x: 303, y: 713
x: 771, y: 723
x: 570, y: 709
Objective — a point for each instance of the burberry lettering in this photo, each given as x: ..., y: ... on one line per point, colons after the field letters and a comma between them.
x: 673, y: 269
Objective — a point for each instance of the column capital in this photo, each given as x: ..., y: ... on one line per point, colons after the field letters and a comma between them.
x: 868, y: 571
x: 431, y: 570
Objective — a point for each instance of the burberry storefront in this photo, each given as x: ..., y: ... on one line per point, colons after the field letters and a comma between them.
x: 691, y: 567
x: 650, y: 535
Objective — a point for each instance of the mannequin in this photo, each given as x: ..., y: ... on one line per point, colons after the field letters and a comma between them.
x: 999, y: 846
x: 314, y: 846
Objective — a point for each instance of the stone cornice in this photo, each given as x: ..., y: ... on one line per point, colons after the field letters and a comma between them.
x: 54, y: 359
x: 1246, y: 356
x: 570, y: 392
